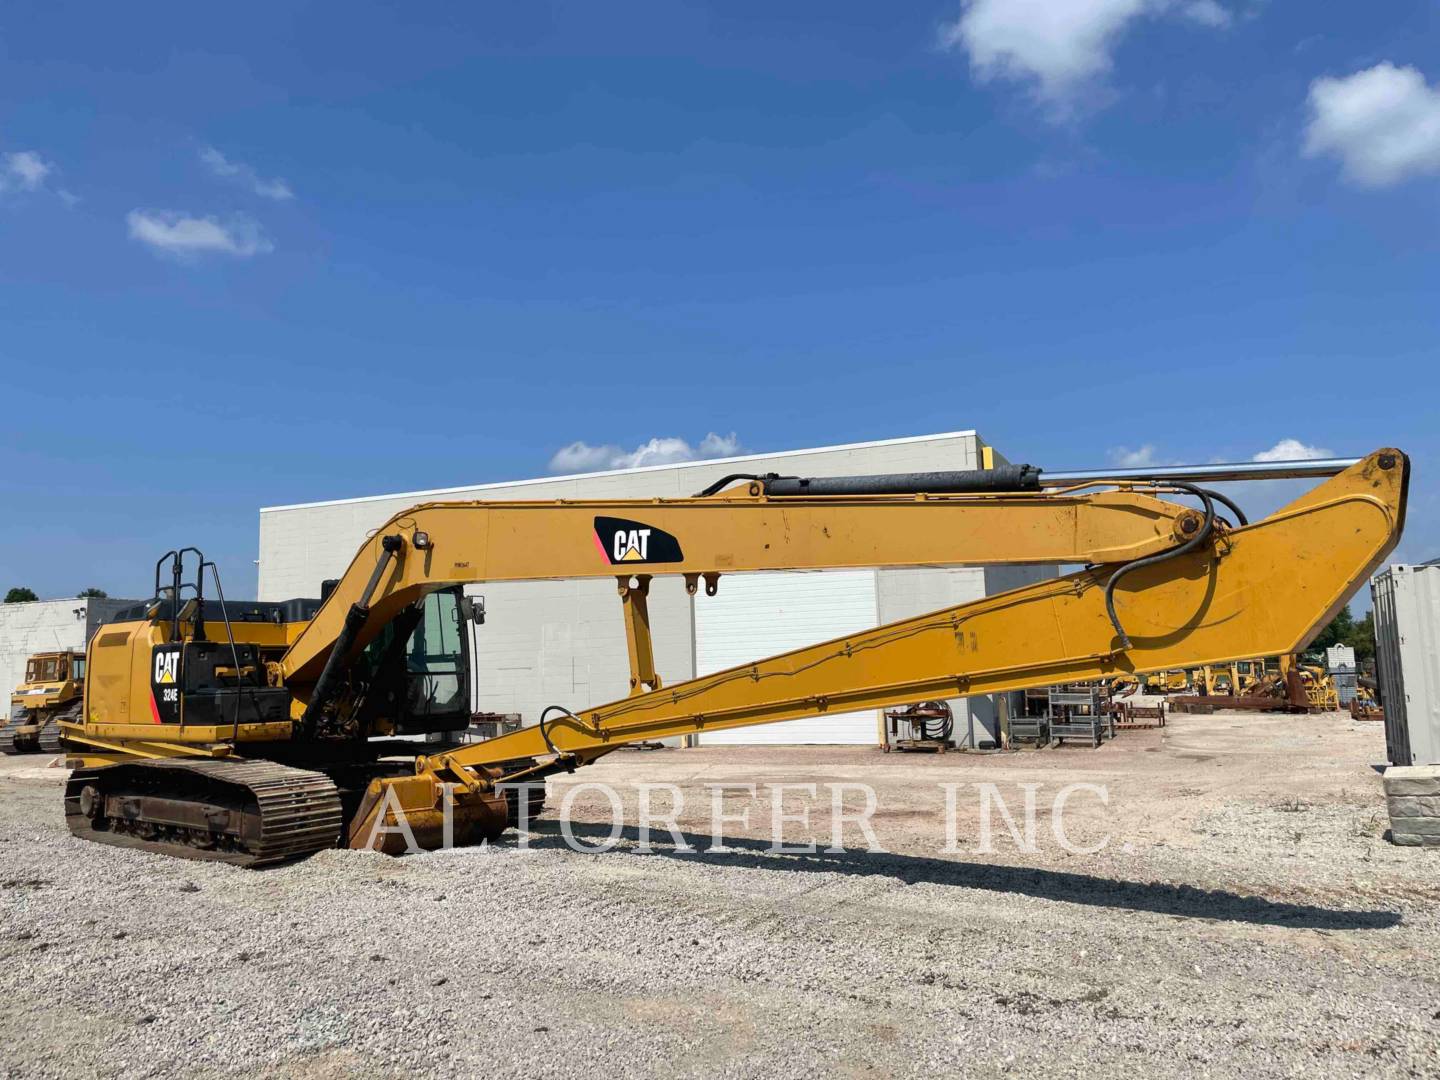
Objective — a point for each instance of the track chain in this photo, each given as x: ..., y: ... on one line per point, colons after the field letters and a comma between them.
x: 298, y: 811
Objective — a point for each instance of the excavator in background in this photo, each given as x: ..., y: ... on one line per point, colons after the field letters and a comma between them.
x: 249, y: 733
x: 51, y: 693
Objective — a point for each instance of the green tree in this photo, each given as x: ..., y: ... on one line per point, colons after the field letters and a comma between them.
x: 19, y: 595
x: 1364, y: 641
x: 92, y: 592
x: 1339, y: 632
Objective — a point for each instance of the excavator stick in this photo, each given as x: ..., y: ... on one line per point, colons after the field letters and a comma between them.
x: 1259, y: 590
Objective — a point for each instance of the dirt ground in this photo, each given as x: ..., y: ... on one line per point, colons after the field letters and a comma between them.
x: 1224, y: 903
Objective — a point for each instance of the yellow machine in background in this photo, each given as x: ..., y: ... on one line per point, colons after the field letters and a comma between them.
x: 51, y: 693
x: 1319, y: 688
x: 1167, y: 682
x: 252, y: 739
x: 1239, y: 677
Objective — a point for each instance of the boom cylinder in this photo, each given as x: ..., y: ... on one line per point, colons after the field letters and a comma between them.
x: 355, y: 620
x: 1002, y: 478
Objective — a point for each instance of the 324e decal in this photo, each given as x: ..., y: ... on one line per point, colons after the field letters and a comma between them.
x: 165, y: 684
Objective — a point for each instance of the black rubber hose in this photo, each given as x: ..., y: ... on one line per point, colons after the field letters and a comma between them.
x: 947, y: 728
x: 1150, y: 560
x: 1240, y: 518
x: 565, y: 759
x: 726, y: 481
x: 945, y: 723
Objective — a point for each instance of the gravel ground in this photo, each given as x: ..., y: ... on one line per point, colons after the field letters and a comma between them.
x: 1246, y: 917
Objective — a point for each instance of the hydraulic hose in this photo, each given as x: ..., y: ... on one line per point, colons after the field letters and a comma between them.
x: 568, y: 760
x: 1188, y: 546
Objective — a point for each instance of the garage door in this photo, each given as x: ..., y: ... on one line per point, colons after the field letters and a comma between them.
x: 758, y: 615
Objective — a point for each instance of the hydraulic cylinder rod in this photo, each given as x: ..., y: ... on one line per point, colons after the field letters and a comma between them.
x: 1204, y: 474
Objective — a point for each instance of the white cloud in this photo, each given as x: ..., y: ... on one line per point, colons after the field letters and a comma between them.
x: 1064, y: 48
x: 582, y: 457
x: 1383, y: 124
x: 1142, y: 457
x: 1293, y: 450
x: 1207, y: 13
x: 175, y: 233
x: 1139, y: 458
x: 23, y: 170
x: 241, y: 173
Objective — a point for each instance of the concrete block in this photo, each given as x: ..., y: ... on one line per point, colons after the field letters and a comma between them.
x: 1417, y: 826
x: 1407, y: 806
x: 1413, y: 839
x: 1412, y: 780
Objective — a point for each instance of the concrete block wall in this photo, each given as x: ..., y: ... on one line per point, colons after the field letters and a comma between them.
x: 1412, y: 796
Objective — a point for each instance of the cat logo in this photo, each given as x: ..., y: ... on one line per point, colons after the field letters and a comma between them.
x: 631, y: 545
x: 624, y: 541
x: 165, y: 684
x: 165, y: 664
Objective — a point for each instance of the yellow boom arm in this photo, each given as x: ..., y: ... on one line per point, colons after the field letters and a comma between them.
x: 1263, y: 589
x: 439, y: 544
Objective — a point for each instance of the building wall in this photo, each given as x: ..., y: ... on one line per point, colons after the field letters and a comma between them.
x: 47, y: 626
x: 758, y: 615
x: 563, y: 642
x: 910, y: 592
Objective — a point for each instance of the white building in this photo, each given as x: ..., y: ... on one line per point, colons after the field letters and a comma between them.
x: 47, y: 626
x: 563, y: 642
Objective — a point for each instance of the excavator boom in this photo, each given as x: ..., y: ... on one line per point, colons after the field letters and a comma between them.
x: 1261, y: 589
x: 740, y: 530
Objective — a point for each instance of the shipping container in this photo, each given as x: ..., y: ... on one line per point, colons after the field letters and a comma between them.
x: 1407, y: 647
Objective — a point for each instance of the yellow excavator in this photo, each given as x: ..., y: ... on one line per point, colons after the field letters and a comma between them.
x: 51, y: 692
x: 248, y: 733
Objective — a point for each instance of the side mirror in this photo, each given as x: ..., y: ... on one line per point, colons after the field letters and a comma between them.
x: 473, y: 609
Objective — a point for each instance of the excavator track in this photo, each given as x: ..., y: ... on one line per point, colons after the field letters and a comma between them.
x: 246, y: 813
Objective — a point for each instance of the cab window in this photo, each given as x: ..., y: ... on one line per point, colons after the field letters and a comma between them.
x: 434, y: 660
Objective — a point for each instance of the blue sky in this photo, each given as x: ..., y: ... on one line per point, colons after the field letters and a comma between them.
x: 268, y: 253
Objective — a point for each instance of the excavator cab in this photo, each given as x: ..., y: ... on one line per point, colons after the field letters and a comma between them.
x: 414, y: 677
x: 189, y: 668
